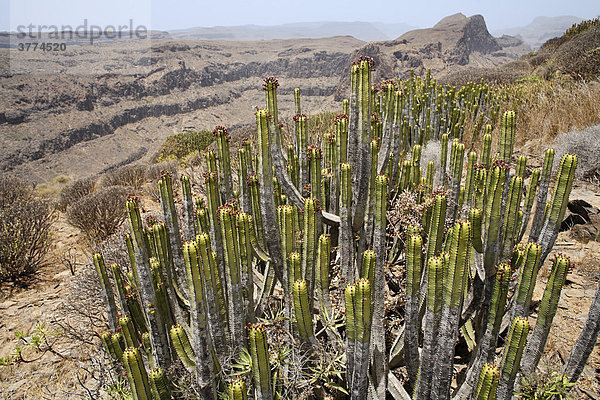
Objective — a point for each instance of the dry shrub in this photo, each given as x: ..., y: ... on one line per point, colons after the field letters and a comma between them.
x: 547, y: 108
x: 154, y: 171
x: 75, y: 191
x: 25, y: 223
x: 100, y: 214
x: 502, y: 75
x: 129, y: 175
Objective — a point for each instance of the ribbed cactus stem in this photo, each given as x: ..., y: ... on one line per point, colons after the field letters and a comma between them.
x: 486, y: 150
x: 147, y: 346
x: 430, y: 176
x: 254, y: 187
x: 198, y: 318
x: 493, y: 212
x: 159, y: 384
x: 452, y: 303
x: 542, y: 194
x: 511, y: 216
x: 360, y: 131
x: 233, y: 272
x: 119, y: 346
x: 268, y: 210
x: 511, y: 358
x: 488, y: 383
x: 300, y: 121
x: 548, y: 306
x: 560, y: 199
x: 529, y: 198
x: 347, y: 249
x: 443, y: 158
x: 261, y: 370
x: 297, y: 100
x: 216, y: 299
x: 380, y: 359
x: 521, y: 166
x: 171, y: 289
x: 527, y: 279
x: 129, y: 333
x: 106, y: 338
x: 368, y: 266
x: 323, y: 262
x: 475, y: 218
x: 243, y: 170
x: 412, y: 326
x: 146, y: 289
x: 131, y: 254
x: 182, y: 346
x: 202, y: 220
x: 246, y: 272
x: 170, y: 214
x: 136, y: 374
x: 433, y: 316
x: 302, y: 311
x: 436, y: 226
x: 470, y: 177
x: 120, y: 286
x: 456, y: 176
x: 349, y: 299
x: 237, y: 390
x: 107, y: 292
x: 189, y: 225
x: 362, y: 321
x: 388, y: 107
x: 310, y: 242
x: 507, y: 136
x: 314, y: 156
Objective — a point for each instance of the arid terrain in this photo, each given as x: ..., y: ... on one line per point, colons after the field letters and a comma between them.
x: 114, y: 104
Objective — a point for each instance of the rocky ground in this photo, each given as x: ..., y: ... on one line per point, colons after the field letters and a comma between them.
x: 77, y: 111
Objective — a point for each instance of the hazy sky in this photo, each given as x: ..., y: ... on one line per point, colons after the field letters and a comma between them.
x: 164, y: 15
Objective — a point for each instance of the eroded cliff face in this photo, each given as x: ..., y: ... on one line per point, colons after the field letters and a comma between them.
x: 110, y: 86
x: 454, y: 42
x: 92, y: 92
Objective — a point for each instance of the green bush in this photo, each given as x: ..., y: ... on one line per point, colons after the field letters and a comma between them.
x: 179, y: 146
x: 25, y: 223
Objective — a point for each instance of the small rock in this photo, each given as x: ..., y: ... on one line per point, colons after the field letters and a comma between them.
x: 7, y: 304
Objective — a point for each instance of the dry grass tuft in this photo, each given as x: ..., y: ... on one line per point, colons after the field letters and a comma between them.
x: 547, y: 108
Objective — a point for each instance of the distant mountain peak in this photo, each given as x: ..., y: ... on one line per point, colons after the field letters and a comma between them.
x: 451, y: 21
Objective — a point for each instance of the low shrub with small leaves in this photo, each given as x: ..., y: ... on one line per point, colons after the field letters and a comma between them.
x: 129, y: 175
x: 551, y: 386
x: 179, y: 146
x: 75, y: 191
x: 100, y: 214
x: 25, y: 222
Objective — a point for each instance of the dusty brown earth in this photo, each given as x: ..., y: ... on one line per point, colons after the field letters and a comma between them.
x: 79, y: 111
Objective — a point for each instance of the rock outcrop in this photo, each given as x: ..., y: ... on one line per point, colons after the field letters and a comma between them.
x: 455, y: 41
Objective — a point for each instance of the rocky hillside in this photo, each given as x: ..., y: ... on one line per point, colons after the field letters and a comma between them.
x: 88, y: 108
x: 541, y: 29
x: 454, y: 42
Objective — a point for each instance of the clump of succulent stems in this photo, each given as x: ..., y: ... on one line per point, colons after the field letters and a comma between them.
x: 307, y: 223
